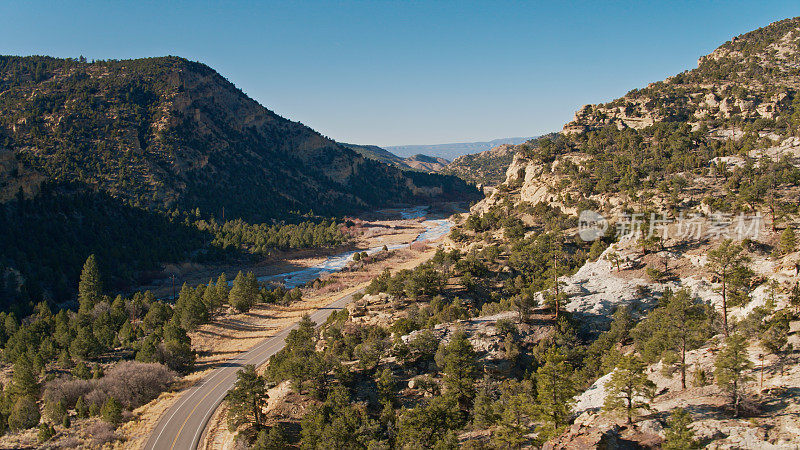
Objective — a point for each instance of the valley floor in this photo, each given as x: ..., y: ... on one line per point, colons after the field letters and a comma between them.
x: 232, y: 333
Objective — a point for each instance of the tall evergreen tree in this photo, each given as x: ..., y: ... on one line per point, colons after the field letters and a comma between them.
x: 555, y: 389
x: 517, y: 409
x: 788, y: 241
x: 678, y: 325
x: 222, y: 288
x: 247, y: 399
x: 730, y: 367
x: 775, y: 339
x: 460, y: 369
x: 90, y: 287
x: 24, y: 380
x: 387, y: 383
x: 629, y: 389
x: 244, y: 292
x: 678, y: 435
x: 725, y: 262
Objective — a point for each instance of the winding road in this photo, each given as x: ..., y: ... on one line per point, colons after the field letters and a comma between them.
x: 181, y: 427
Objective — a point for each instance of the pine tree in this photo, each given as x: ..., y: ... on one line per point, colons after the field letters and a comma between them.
x: 24, y: 380
x: 517, y: 409
x: 211, y: 298
x: 460, y: 369
x: 788, y: 241
x: 221, y: 286
x: 387, y: 383
x: 81, y: 409
x: 675, y: 327
x: 274, y: 439
x: 84, y: 344
x: 775, y: 339
x: 55, y: 411
x: 555, y: 388
x: 678, y: 435
x: 244, y: 292
x: 111, y: 411
x: 191, y: 310
x: 725, y: 262
x: 24, y: 414
x: 730, y: 367
x: 629, y: 389
x: 794, y: 297
x: 484, y: 413
x: 90, y: 287
x: 246, y: 399
x: 177, y: 349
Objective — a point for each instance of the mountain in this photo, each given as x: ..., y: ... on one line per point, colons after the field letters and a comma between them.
x: 452, y: 151
x: 139, y: 161
x: 486, y: 168
x: 167, y: 132
x: 422, y: 163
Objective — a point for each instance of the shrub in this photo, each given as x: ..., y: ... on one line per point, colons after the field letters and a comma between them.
x: 131, y: 383
x: 112, y: 411
x: 46, y: 432
x: 102, y: 433
x: 66, y: 391
x: 24, y: 414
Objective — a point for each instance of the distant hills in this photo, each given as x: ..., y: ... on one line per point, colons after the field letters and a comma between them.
x: 478, y: 167
x: 422, y: 163
x: 452, y: 151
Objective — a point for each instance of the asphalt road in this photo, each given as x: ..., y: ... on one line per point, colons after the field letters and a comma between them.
x: 182, y: 425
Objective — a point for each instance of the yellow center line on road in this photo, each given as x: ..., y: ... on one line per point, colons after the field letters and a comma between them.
x: 225, y: 378
x: 257, y: 355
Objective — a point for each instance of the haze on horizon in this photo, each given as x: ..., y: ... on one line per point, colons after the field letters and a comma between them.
x: 394, y: 74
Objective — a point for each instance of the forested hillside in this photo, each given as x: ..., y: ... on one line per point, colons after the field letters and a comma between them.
x: 674, y: 326
x: 125, y: 158
x: 167, y: 132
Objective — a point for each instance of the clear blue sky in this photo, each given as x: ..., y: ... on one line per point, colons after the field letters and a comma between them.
x: 392, y: 73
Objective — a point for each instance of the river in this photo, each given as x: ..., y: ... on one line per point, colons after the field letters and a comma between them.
x: 434, y: 229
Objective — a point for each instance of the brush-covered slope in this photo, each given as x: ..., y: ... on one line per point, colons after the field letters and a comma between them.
x: 747, y: 83
x: 167, y: 132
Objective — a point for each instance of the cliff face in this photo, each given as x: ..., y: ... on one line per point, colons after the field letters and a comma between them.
x: 165, y: 132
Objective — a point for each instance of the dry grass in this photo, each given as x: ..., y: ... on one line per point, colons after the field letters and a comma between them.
x: 232, y: 333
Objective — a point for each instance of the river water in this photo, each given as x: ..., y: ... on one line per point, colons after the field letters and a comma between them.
x: 434, y: 229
